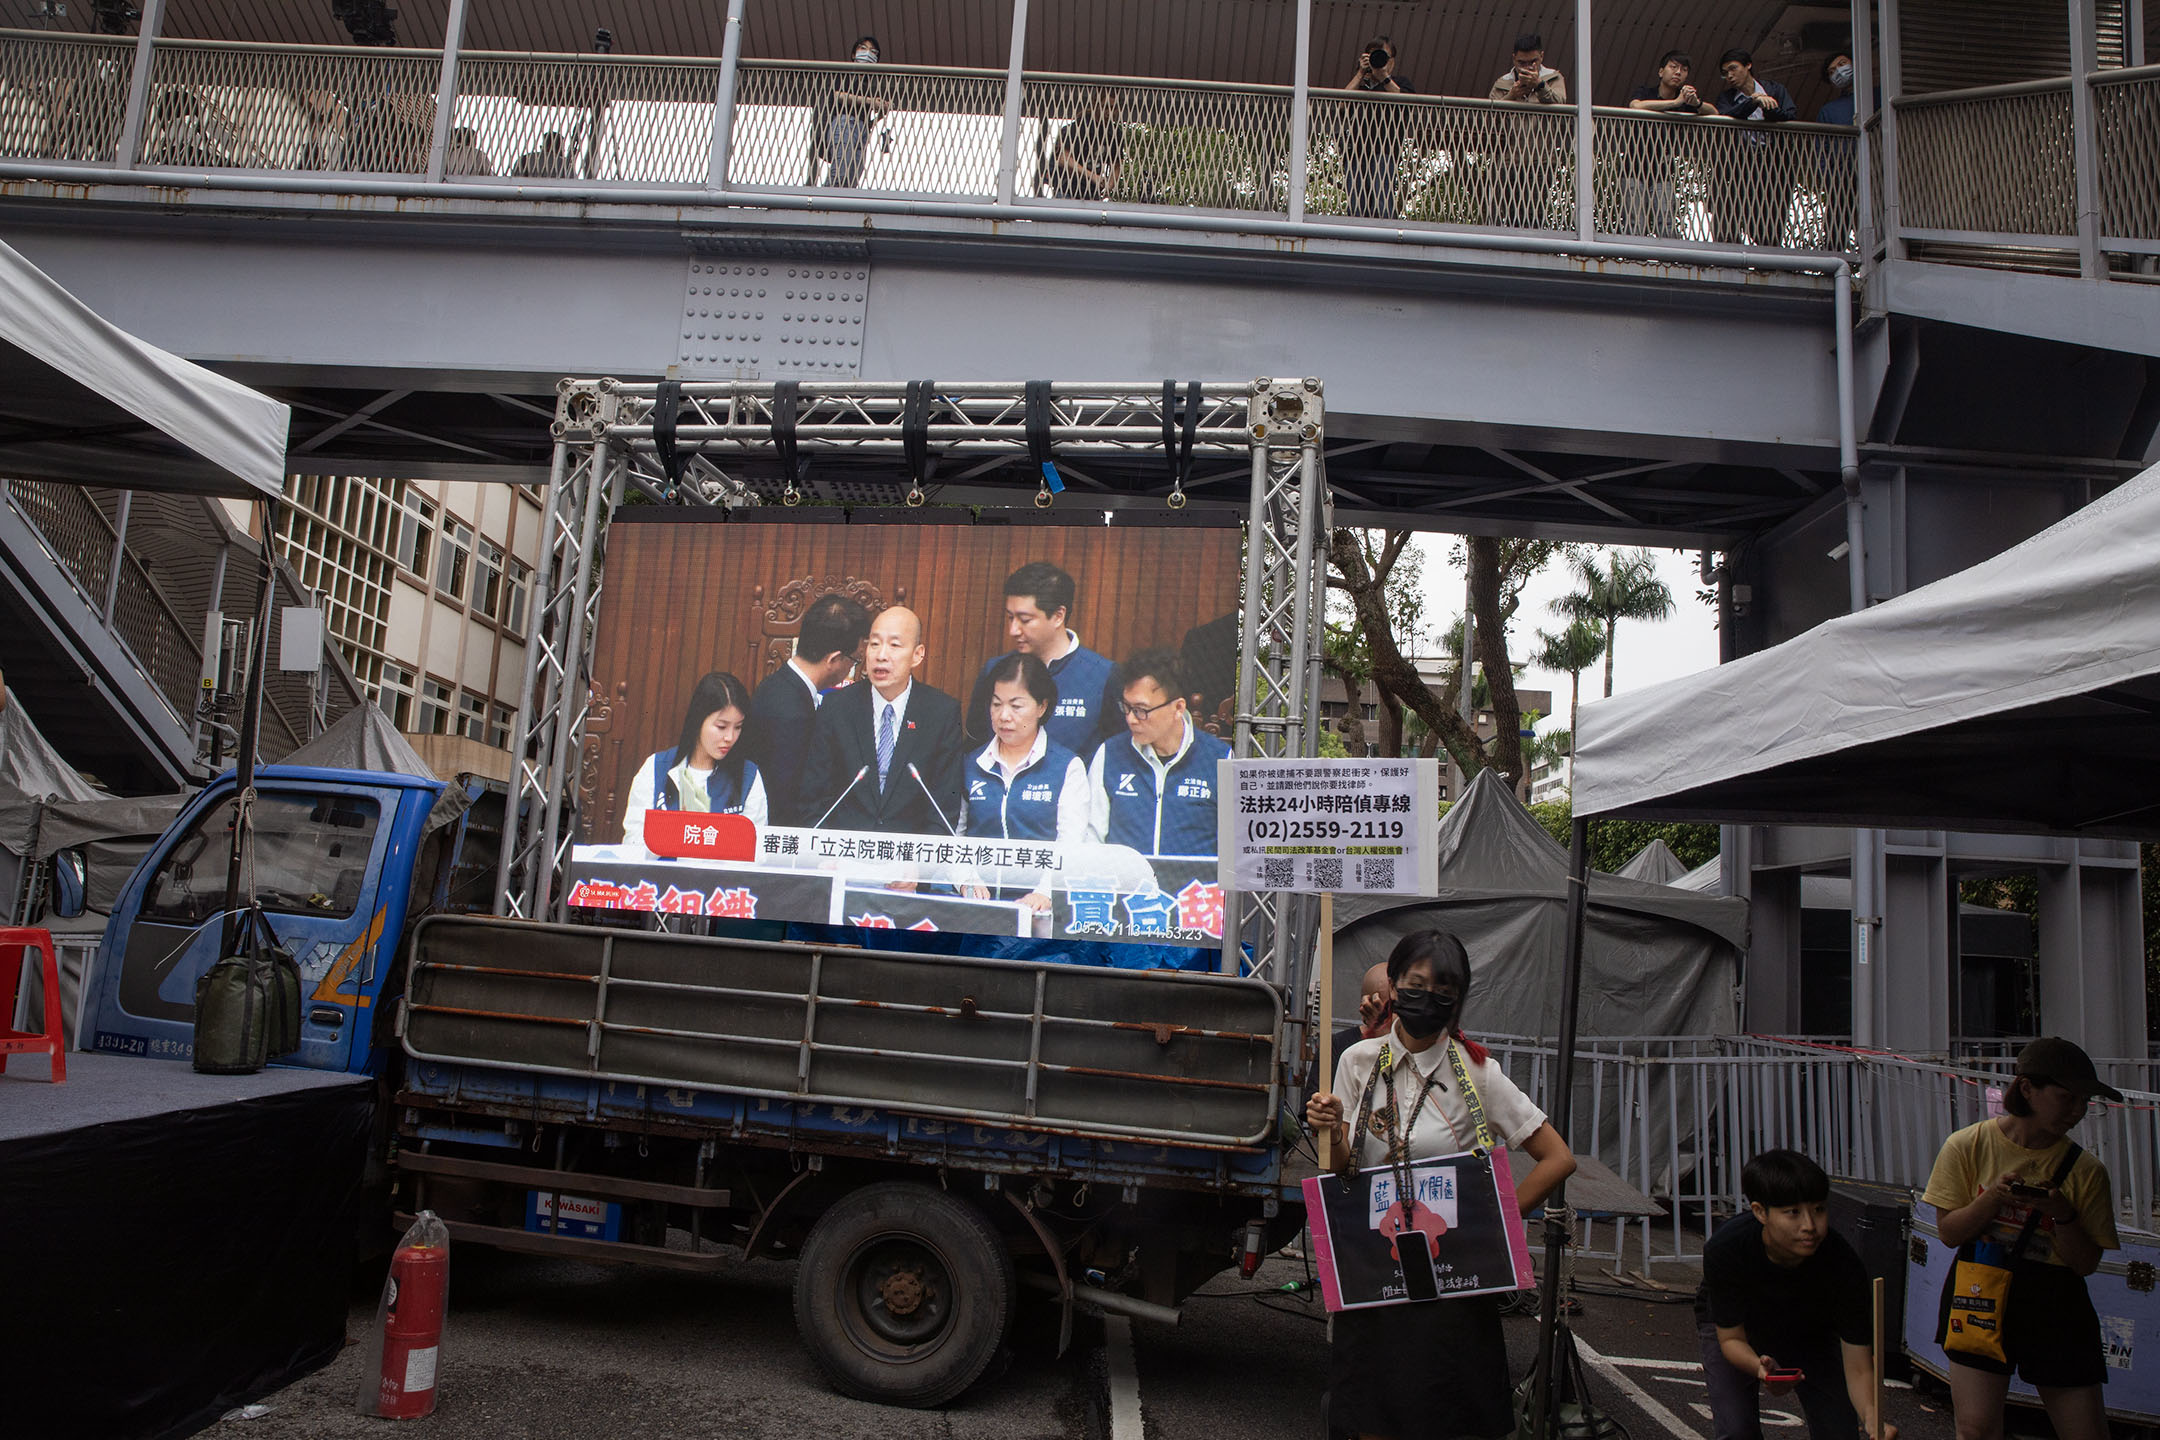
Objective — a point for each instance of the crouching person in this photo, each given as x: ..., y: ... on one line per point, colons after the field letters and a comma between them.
x: 1785, y: 1309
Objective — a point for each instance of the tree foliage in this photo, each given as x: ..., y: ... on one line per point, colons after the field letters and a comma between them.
x: 1575, y: 649
x: 1615, y: 842
x: 1625, y: 587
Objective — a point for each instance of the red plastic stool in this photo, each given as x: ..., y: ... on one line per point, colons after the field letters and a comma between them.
x: 13, y: 942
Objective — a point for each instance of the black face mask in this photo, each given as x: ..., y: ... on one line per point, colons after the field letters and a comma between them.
x: 1425, y: 1013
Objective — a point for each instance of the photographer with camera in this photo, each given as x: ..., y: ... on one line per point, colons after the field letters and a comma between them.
x: 1373, y: 134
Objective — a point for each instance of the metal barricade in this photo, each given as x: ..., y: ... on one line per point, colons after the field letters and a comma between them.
x: 1461, y: 162
x: 351, y: 110
x: 1160, y: 142
x: 63, y: 97
x: 904, y: 129
x: 584, y: 117
x: 1683, y: 177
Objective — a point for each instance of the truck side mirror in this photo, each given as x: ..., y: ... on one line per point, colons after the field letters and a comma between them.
x: 69, y: 884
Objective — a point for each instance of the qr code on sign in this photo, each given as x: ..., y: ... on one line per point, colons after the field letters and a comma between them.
x: 1277, y: 874
x: 1376, y: 874
x: 1326, y: 874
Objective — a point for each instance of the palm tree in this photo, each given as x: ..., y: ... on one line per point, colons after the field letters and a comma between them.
x: 1625, y: 588
x: 1574, y: 650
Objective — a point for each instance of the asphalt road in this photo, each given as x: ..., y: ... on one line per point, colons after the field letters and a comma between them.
x: 543, y: 1349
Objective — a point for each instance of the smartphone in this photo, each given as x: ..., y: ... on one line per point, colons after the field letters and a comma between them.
x: 1783, y: 1377
x: 1419, y: 1282
x: 2028, y: 1192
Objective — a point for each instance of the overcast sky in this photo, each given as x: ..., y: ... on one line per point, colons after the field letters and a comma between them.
x: 1644, y: 654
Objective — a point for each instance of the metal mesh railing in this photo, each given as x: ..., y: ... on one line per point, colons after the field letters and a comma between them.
x: 1787, y: 186
x: 1997, y: 161
x: 260, y: 107
x: 2126, y: 119
x: 63, y: 97
x: 79, y: 537
x: 1463, y: 162
x: 1163, y: 142
x: 585, y: 117
x: 894, y: 128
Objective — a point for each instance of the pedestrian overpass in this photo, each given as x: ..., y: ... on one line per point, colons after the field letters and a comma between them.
x: 1842, y: 360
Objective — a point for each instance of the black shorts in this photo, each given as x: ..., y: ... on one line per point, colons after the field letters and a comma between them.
x: 2050, y: 1330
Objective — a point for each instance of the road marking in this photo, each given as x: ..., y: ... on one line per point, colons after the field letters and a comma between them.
x: 1125, y: 1420
x: 1650, y: 1404
x: 1630, y: 1363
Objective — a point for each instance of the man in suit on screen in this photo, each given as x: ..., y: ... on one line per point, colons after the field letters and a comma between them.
x: 887, y: 755
x: 1038, y: 608
x: 777, y: 731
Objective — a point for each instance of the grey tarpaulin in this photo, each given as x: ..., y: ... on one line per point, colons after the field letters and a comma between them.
x: 1905, y: 713
x: 1657, y: 960
x: 1707, y: 878
x: 1655, y: 864
x: 91, y: 403
x: 366, y: 740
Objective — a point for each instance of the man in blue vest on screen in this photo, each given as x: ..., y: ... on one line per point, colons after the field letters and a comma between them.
x: 1038, y: 615
x: 1153, y: 788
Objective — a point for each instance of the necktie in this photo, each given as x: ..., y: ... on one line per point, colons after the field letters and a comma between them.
x: 884, y: 745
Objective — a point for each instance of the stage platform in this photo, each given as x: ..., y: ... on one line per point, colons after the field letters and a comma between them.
x: 173, y: 1244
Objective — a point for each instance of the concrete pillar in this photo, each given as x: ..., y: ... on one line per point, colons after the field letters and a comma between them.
x: 1914, y: 982
x: 1770, y: 986
x: 2092, y: 981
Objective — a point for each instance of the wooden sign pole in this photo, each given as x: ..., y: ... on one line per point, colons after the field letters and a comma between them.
x: 1876, y: 1432
x: 1324, y: 969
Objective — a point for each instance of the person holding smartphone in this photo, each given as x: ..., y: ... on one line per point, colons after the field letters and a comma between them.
x: 1785, y: 1308
x: 1437, y: 1369
x: 1990, y: 1180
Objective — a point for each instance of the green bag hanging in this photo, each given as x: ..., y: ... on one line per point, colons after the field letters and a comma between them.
x: 247, y: 1006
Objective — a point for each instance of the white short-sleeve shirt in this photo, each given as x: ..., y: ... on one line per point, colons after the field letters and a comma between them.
x: 1444, y: 1126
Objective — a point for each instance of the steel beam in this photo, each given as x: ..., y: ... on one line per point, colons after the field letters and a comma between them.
x: 138, y: 101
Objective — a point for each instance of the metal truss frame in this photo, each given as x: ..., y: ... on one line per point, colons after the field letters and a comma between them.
x: 605, y: 448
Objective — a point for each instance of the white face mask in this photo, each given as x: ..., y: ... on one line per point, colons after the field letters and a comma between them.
x: 866, y: 57
x: 1841, y: 76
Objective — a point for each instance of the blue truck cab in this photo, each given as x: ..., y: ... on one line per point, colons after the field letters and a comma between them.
x: 333, y: 863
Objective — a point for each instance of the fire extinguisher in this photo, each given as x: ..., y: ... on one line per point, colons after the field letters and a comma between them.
x: 412, y: 1321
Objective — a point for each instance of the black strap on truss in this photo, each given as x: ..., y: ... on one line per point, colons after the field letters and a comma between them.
x: 786, y: 405
x: 1036, y: 395
x: 915, y: 428
x: 1177, y: 447
x: 666, y: 403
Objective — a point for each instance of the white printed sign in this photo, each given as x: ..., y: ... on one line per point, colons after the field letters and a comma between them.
x: 1353, y: 827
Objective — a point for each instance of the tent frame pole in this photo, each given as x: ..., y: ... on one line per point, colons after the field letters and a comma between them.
x: 1559, y: 1224
x: 250, y: 735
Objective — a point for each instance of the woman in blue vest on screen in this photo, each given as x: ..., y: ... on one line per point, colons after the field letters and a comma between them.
x: 1024, y: 785
x: 704, y: 772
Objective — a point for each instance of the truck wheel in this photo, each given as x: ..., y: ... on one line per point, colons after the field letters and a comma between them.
x: 903, y: 1295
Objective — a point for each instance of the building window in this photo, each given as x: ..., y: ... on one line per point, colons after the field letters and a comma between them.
x: 453, y: 557
x: 395, y: 695
x: 499, y: 731
x: 434, y: 717
x: 1372, y: 712
x: 517, y: 583
x: 487, y: 579
x: 472, y: 716
x: 416, y: 529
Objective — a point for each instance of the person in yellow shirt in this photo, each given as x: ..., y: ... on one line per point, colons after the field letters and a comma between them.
x: 1989, y: 1180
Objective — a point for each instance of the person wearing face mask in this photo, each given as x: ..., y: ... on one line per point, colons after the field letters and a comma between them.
x: 1836, y: 158
x: 1439, y: 1368
x: 2017, y: 1192
x: 840, y: 131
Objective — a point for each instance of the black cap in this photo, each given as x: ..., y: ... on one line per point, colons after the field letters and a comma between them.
x: 2053, y: 1058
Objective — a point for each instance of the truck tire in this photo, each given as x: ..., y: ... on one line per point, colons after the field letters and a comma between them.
x: 903, y: 1295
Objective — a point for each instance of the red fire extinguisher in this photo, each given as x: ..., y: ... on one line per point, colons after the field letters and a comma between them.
x: 412, y: 1321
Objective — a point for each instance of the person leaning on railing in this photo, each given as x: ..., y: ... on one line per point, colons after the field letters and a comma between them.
x: 1524, y: 166
x: 2013, y: 1191
x: 1752, y: 185
x: 1835, y: 165
x: 1089, y: 152
x: 840, y: 127
x: 1649, y: 189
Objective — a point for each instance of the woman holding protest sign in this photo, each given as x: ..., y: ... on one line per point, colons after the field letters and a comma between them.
x: 704, y: 773
x: 2028, y: 1211
x: 1435, y: 1368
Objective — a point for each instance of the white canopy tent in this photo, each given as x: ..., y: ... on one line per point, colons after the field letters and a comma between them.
x: 83, y: 401
x: 2022, y: 695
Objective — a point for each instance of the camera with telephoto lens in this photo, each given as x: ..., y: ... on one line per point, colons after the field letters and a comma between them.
x: 1378, y: 57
